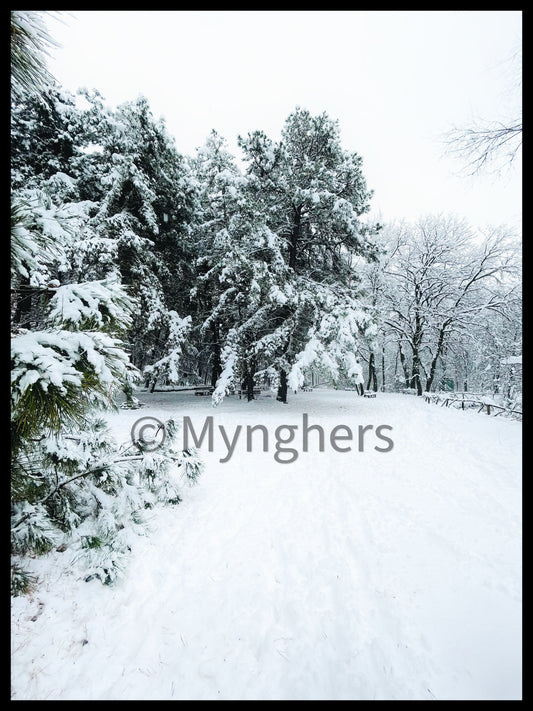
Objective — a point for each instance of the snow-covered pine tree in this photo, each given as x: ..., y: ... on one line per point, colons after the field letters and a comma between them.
x: 169, y: 368
x: 312, y: 196
x: 70, y: 481
x: 219, y: 186
x: 238, y: 263
x: 279, y: 249
x: 144, y: 221
x: 42, y: 144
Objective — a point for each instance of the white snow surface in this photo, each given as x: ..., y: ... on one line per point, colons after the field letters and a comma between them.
x: 343, y: 575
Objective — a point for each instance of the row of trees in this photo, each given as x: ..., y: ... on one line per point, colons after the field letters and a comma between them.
x: 234, y: 273
x: 448, y: 304
x: 257, y: 275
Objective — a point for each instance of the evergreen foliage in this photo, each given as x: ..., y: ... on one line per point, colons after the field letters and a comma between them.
x: 72, y: 485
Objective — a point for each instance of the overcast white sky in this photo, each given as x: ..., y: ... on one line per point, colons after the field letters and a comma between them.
x: 396, y: 81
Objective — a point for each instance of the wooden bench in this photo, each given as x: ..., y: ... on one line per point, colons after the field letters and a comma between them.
x: 369, y: 393
x: 204, y: 391
x: 241, y: 392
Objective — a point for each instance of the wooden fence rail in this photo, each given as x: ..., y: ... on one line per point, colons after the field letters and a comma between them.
x: 465, y: 400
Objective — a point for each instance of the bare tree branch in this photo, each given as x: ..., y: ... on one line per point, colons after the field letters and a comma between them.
x: 494, y: 144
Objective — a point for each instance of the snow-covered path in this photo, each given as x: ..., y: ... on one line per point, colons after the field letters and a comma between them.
x: 342, y: 575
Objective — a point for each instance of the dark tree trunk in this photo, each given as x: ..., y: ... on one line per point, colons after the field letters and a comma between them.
x: 383, y: 369
x: 217, y: 361
x: 438, y: 353
x: 372, y: 383
x: 404, y: 365
x: 249, y: 381
x: 416, y: 343
x: 250, y: 388
x: 416, y: 382
x: 282, y: 389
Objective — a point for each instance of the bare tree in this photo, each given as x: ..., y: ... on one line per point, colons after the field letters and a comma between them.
x: 493, y: 144
x: 439, y: 283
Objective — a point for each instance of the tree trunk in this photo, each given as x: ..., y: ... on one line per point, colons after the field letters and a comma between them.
x: 250, y: 387
x: 248, y: 382
x: 404, y: 365
x: 438, y: 353
x: 372, y: 383
x: 217, y: 360
x: 282, y: 389
x: 416, y: 381
x: 383, y: 368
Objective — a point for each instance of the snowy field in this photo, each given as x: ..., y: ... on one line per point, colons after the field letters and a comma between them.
x: 392, y: 574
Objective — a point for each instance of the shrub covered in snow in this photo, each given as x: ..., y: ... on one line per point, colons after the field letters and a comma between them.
x: 85, y: 492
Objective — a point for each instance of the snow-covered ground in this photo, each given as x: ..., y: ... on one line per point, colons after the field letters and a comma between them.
x: 368, y: 574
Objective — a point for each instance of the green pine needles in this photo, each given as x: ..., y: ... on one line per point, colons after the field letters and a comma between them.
x: 82, y: 492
